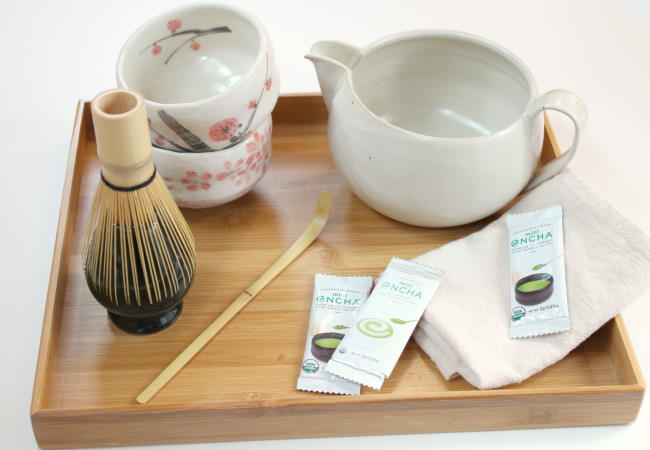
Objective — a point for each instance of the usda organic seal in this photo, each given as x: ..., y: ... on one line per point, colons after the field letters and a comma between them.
x: 310, y: 366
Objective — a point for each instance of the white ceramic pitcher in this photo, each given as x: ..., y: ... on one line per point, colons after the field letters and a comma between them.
x: 437, y: 128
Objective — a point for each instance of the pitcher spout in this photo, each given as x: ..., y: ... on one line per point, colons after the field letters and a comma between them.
x: 333, y: 61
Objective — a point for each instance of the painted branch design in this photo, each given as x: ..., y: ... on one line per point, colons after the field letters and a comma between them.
x: 244, y: 133
x: 160, y: 139
x: 259, y: 98
x: 194, y: 33
x: 191, y: 139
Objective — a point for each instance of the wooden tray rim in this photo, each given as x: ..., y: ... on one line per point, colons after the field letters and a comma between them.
x: 82, y: 117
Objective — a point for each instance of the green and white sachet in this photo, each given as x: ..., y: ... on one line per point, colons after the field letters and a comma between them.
x: 538, y: 295
x: 335, y: 305
x: 372, y: 347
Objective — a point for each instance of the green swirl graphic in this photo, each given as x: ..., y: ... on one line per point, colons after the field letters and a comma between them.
x: 375, y: 328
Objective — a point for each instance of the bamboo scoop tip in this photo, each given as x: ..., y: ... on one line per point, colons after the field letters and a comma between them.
x: 143, y: 398
x: 324, y: 204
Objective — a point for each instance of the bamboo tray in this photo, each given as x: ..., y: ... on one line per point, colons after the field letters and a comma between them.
x: 242, y: 385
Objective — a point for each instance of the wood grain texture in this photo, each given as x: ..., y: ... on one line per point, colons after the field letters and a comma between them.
x: 242, y: 385
x: 314, y: 227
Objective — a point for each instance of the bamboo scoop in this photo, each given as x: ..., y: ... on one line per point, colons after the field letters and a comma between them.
x: 306, y: 238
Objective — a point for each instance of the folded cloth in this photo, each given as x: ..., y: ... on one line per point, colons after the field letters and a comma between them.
x: 465, y: 327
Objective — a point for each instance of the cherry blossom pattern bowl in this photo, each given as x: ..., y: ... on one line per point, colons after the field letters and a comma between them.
x: 204, y: 180
x: 208, y: 75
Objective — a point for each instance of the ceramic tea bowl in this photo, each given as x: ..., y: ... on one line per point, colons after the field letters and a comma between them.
x: 207, y: 72
x: 534, y: 289
x: 437, y: 128
x: 203, y: 180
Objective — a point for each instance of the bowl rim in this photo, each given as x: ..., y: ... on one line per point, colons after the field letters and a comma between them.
x: 330, y: 334
x: 245, y: 14
x: 534, y: 277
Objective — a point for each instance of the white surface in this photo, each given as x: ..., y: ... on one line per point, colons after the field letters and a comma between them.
x: 56, y: 52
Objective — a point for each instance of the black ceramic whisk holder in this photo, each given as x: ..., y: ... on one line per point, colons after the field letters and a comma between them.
x: 138, y: 254
x: 147, y: 324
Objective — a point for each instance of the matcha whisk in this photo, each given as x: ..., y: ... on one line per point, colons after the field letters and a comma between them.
x: 138, y: 252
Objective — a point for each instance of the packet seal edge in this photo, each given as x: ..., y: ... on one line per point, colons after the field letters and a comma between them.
x: 327, y: 275
x: 321, y: 385
x: 347, y: 368
x: 435, y: 270
x: 549, y: 212
x: 551, y: 326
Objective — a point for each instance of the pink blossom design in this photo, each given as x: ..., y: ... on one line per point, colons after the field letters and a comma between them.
x: 156, y: 49
x: 268, y: 83
x: 260, y: 147
x: 158, y: 141
x: 174, y: 25
x: 254, y: 143
x: 235, y: 172
x: 223, y: 130
x: 252, y: 104
x: 194, y: 182
x: 195, y: 46
x: 169, y: 182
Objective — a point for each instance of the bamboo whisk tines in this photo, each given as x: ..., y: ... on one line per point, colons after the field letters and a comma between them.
x: 138, y: 251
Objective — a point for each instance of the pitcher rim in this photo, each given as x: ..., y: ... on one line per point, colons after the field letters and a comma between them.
x: 385, y: 41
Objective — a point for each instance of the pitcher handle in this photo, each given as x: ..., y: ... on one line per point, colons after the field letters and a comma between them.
x: 571, y: 105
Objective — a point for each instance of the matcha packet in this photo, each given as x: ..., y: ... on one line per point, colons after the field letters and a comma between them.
x: 538, y: 299
x: 372, y: 347
x: 335, y: 304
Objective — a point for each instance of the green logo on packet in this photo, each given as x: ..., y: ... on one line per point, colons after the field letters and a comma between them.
x: 310, y: 366
x: 375, y: 328
x: 518, y: 313
x: 400, y: 321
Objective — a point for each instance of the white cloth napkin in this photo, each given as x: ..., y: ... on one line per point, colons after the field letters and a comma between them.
x: 465, y: 327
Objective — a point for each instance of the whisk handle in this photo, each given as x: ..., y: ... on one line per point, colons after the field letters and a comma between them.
x: 122, y: 135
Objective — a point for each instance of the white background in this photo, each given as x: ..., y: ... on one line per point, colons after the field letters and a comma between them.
x: 55, y: 52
